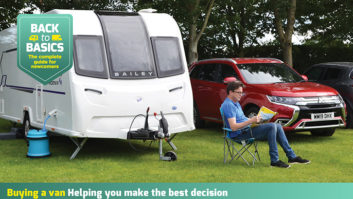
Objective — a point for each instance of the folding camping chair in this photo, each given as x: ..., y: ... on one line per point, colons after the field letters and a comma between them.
x: 231, y: 149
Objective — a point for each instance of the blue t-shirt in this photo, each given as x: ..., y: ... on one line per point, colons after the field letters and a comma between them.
x: 233, y: 110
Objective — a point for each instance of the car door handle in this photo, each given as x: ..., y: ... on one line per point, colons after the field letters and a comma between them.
x: 94, y: 90
x: 176, y: 88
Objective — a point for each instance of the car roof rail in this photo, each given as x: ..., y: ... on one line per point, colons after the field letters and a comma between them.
x: 217, y: 59
x: 266, y: 58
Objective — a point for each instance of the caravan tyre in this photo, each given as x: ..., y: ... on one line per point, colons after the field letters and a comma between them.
x: 26, y: 125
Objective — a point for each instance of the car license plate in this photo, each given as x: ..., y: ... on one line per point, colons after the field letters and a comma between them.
x: 322, y: 116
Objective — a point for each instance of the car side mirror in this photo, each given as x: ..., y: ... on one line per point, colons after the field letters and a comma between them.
x: 305, y: 77
x: 229, y: 79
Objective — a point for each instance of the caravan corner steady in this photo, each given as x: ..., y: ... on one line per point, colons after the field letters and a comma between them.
x: 123, y: 63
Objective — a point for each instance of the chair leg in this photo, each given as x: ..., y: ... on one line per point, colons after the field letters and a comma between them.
x: 236, y: 154
x: 239, y: 154
x: 246, y: 148
x: 228, y: 150
x: 256, y: 151
x: 252, y: 154
x: 224, y: 151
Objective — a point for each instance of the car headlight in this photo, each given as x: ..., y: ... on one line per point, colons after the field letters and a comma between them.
x: 330, y: 100
x: 284, y: 100
x: 341, y: 100
x: 336, y: 99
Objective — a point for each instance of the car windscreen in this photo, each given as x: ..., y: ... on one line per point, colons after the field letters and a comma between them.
x: 268, y: 73
x: 168, y: 56
x: 89, y: 56
x: 128, y: 47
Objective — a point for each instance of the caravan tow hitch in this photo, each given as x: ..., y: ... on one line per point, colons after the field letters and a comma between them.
x: 153, y: 135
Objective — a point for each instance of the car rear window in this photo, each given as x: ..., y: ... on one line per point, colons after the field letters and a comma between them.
x: 213, y: 72
x: 314, y: 73
x: 332, y: 73
x: 268, y: 73
x: 207, y: 72
x: 228, y: 71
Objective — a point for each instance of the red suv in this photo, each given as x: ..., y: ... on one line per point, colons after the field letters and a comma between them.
x: 301, y: 105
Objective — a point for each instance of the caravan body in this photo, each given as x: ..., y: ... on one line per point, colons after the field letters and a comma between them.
x: 123, y: 63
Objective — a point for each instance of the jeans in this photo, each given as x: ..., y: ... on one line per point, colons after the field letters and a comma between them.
x: 274, y: 133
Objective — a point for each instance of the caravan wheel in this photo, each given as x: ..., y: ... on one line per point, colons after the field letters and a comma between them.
x: 26, y: 125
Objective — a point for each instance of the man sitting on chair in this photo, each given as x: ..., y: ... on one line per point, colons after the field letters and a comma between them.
x: 273, y: 132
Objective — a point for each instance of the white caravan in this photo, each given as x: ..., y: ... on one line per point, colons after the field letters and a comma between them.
x: 123, y: 63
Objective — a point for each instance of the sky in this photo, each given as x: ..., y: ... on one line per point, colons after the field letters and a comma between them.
x: 297, y: 39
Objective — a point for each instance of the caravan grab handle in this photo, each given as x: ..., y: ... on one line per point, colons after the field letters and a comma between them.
x: 94, y: 90
x: 176, y: 88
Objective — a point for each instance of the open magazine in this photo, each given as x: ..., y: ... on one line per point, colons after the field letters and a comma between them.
x: 266, y: 115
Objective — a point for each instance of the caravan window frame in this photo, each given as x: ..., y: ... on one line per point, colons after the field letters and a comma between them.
x: 167, y: 73
x: 88, y: 73
x: 129, y: 74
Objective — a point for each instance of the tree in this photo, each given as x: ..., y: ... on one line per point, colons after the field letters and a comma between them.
x: 194, y: 35
x: 10, y: 9
x: 191, y: 15
x: 115, y: 5
x: 330, y: 22
x: 285, y: 26
x: 233, y: 25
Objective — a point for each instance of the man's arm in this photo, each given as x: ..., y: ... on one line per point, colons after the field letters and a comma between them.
x: 236, y: 126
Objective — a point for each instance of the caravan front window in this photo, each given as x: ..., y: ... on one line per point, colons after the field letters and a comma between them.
x: 89, y: 56
x: 167, y: 55
x: 128, y: 47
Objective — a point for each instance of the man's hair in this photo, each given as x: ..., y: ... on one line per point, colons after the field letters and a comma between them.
x: 234, y: 85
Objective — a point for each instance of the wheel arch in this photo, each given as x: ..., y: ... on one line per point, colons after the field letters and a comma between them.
x: 27, y: 111
x: 250, y: 105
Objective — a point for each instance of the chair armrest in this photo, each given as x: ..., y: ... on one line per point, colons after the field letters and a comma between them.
x: 228, y: 129
x: 244, y: 128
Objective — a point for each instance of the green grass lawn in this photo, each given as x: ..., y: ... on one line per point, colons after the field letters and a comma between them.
x: 200, y: 159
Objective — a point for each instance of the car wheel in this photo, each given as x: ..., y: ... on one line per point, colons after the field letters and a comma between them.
x: 349, y: 120
x: 252, y: 111
x: 323, y: 132
x: 26, y: 125
x: 198, y: 122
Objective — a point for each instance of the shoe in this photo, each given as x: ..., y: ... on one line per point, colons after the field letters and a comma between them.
x: 298, y: 160
x: 280, y: 164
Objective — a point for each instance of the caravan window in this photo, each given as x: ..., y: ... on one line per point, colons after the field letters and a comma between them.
x: 128, y: 46
x: 167, y: 55
x: 89, y: 56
